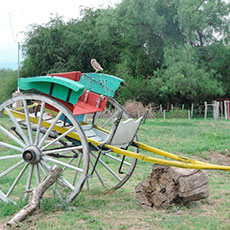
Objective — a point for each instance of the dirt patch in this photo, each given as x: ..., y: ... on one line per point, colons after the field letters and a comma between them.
x: 1, y: 226
x: 215, y: 157
x: 129, y: 219
x: 219, y: 158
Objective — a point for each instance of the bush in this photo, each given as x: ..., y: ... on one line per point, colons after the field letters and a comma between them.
x: 145, y: 91
x: 177, y: 113
x: 8, y: 84
x: 135, y: 108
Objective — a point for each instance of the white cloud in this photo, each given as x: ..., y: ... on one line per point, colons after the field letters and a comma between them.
x: 17, y: 15
x: 25, y: 12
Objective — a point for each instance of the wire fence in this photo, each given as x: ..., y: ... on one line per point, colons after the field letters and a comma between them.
x: 215, y: 110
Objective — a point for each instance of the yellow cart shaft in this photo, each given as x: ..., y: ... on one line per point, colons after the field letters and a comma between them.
x: 177, y: 161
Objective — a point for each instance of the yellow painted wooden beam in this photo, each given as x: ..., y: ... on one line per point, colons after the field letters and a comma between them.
x: 178, y: 161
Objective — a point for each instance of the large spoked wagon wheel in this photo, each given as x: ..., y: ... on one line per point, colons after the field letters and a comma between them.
x: 112, y: 170
x: 33, y: 131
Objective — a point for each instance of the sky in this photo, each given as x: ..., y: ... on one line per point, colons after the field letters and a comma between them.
x: 16, y: 16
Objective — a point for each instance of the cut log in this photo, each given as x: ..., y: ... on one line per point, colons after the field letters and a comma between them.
x: 167, y: 186
x: 36, y: 196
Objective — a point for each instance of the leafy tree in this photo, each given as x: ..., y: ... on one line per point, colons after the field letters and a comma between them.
x: 175, y: 50
x: 203, y: 21
x: 58, y: 46
x: 147, y: 26
x: 98, y: 38
x: 187, y: 80
x: 44, y: 48
x: 217, y: 57
x: 8, y: 84
x: 144, y: 90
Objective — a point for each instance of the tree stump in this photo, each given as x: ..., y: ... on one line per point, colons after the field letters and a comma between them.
x: 167, y: 186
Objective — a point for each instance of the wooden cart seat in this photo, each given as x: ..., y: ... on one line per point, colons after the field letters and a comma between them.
x: 87, y: 103
x: 103, y: 84
x: 121, y: 135
x: 68, y: 92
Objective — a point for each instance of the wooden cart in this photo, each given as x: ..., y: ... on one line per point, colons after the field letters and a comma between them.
x: 72, y: 121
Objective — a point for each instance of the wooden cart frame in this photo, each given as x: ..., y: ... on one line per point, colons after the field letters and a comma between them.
x: 61, y: 125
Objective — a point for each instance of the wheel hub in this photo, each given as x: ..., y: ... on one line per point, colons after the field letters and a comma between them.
x: 32, y: 155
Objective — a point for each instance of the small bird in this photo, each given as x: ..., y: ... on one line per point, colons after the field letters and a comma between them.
x: 96, y: 65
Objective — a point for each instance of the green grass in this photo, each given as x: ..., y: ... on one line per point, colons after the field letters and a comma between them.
x: 102, y: 209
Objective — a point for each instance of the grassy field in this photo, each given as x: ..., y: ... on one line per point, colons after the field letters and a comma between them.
x: 104, y: 209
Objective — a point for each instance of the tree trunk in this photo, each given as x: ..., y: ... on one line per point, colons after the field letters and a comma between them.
x: 167, y: 186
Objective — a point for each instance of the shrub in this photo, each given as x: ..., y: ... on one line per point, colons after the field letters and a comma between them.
x: 138, y: 89
x: 8, y: 84
x: 177, y: 113
x: 137, y: 109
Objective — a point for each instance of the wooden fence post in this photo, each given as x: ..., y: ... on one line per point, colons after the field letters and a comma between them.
x: 225, y: 110
x: 161, y: 108
x: 216, y: 110
x: 221, y: 109
x: 192, y: 110
x: 189, y: 115
x: 228, y: 103
x: 164, y: 114
x: 205, y: 110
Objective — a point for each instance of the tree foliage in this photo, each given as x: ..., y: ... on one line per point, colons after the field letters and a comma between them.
x: 185, y: 79
x: 8, y: 85
x: 168, y: 51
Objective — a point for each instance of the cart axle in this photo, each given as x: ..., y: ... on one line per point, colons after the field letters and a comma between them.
x: 32, y: 155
